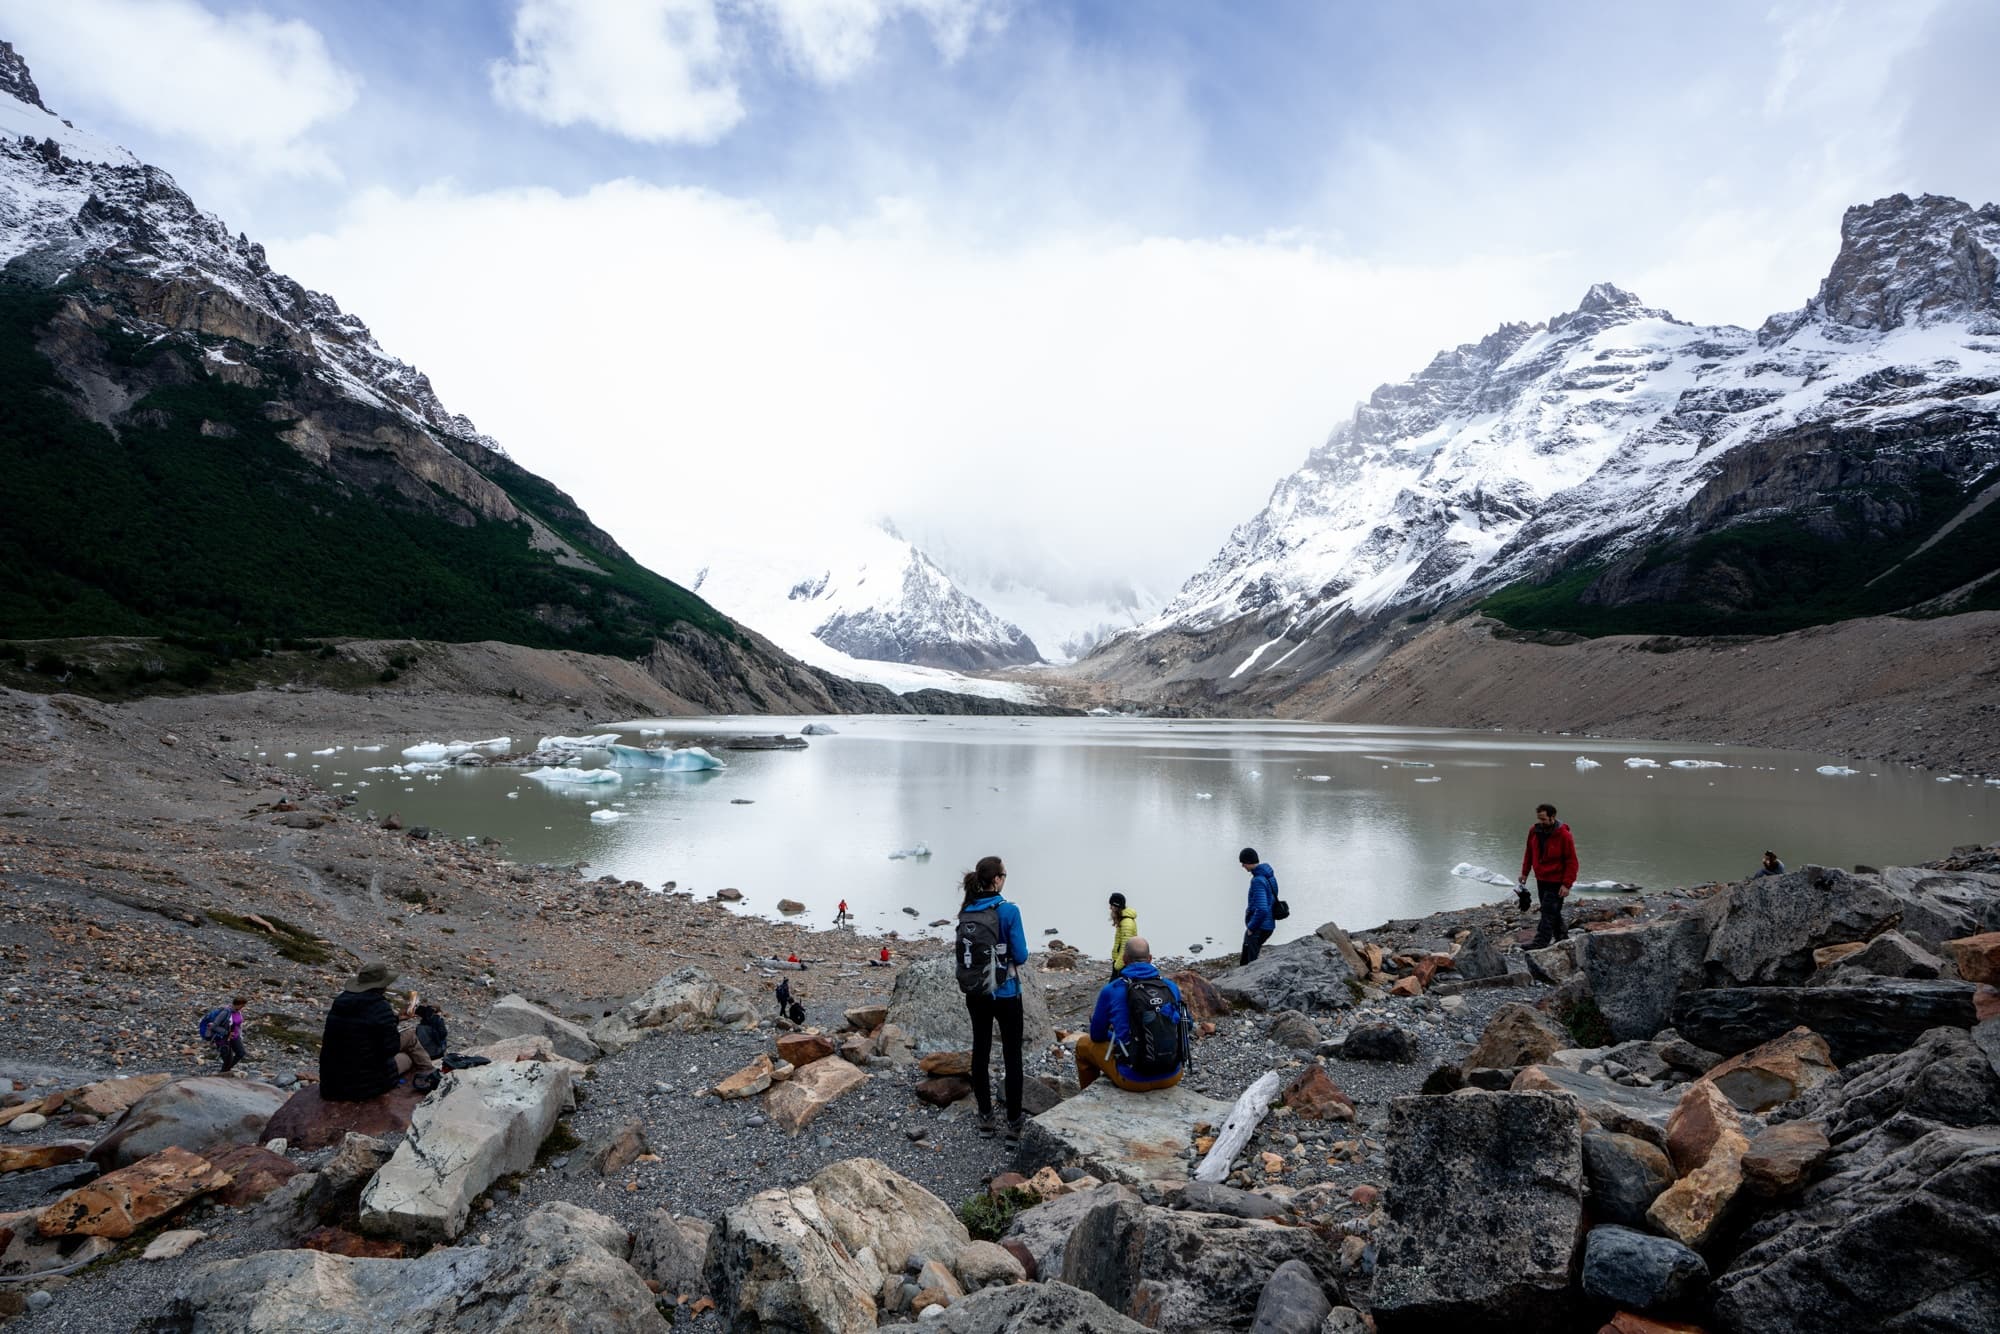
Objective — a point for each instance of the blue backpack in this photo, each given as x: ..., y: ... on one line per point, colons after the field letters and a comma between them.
x: 214, y: 1024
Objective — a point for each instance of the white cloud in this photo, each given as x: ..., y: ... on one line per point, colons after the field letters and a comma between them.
x: 652, y: 70
x: 244, y: 84
x: 697, y: 372
x: 832, y: 40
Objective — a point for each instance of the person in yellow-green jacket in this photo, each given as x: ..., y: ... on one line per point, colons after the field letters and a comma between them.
x: 1124, y: 926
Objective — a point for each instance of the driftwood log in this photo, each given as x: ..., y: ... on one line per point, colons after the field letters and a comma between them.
x: 1242, y: 1123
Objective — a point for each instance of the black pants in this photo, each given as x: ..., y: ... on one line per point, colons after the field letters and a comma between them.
x: 984, y: 1010
x: 1253, y: 944
x: 231, y: 1051
x: 1551, y: 927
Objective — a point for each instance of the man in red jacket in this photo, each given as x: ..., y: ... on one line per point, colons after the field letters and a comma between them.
x: 1551, y: 856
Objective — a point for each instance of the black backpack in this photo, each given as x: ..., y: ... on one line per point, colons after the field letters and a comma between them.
x: 981, y: 952
x: 1159, y: 1028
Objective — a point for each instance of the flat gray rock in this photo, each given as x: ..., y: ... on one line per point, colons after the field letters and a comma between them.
x: 1119, y: 1136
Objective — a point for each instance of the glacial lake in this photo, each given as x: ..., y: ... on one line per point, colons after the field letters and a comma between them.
x: 1361, y: 823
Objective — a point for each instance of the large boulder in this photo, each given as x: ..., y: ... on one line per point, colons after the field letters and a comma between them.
x: 1035, y: 1308
x: 1477, y: 958
x: 1044, y: 1231
x: 31, y: 1188
x: 674, y: 1252
x: 1939, y: 906
x: 1203, y: 1000
x: 1116, y: 1135
x: 795, y: 1103
x: 198, y: 1114
x: 930, y: 1009
x: 1605, y: 1103
x: 687, y: 1001
x: 1292, y: 1302
x: 1517, y: 1035
x: 1782, y: 1159
x: 1764, y: 931
x: 1181, y: 1270
x: 1310, y: 973
x: 1485, y: 1211
x: 1635, y: 971
x: 1906, y: 1243
x: 1706, y: 1140
x: 1638, y: 1271
x: 1891, y: 954
x: 561, y: 1269
x: 480, y: 1125
x: 813, y: 1257
x: 517, y: 1016
x: 1855, y: 1021
x: 34, y: 1157
x: 308, y: 1122
x: 1976, y: 958
x: 119, y: 1203
x: 1775, y: 1072
x: 1946, y: 1079
x: 1626, y: 1174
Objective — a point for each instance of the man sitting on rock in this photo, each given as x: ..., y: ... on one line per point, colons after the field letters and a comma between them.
x: 1139, y: 1030
x: 363, y: 1052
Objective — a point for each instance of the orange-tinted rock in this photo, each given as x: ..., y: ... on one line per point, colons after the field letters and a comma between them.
x: 795, y: 1103
x: 751, y: 1080
x: 1019, y: 1250
x: 307, y: 1121
x: 943, y: 1090
x: 111, y: 1096
x: 1977, y: 957
x: 1828, y: 955
x: 1985, y: 1003
x: 1517, y: 1035
x: 35, y: 1156
x: 1406, y: 986
x: 339, y: 1241
x: 1005, y: 1182
x: 1705, y: 1139
x: 254, y: 1172
x: 119, y: 1203
x: 1315, y: 1097
x: 1203, y: 1000
x: 1627, y: 1323
x: 1776, y: 1072
x: 802, y: 1049
x: 867, y: 1018
x: 1781, y: 1160
x: 946, y: 1063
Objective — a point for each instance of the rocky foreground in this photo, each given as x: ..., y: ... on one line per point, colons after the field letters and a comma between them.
x: 1765, y: 1106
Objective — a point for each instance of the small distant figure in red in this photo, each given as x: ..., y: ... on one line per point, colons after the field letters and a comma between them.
x: 840, y: 918
x: 882, y: 962
x: 792, y: 959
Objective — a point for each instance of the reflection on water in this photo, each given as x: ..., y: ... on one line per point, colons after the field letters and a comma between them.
x: 1362, y: 823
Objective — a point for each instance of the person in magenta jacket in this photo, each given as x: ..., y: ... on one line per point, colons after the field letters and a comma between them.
x: 1551, y: 858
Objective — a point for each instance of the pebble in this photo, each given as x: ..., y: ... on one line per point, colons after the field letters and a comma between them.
x: 21, y: 1125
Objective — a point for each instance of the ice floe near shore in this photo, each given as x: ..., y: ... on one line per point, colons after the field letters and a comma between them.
x: 688, y: 759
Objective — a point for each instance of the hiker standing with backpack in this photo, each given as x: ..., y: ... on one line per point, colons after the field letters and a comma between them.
x: 990, y: 948
x: 1551, y: 856
x: 1139, y: 1032
x: 1124, y: 926
x: 1260, y: 914
x: 224, y: 1029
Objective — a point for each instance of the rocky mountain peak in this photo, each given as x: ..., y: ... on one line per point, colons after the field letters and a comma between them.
x: 1928, y: 260
x: 1604, y: 305
x: 15, y: 81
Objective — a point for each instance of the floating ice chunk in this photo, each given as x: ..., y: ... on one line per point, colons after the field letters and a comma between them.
x: 1467, y: 871
x: 606, y: 817
x: 1638, y: 763
x: 368, y: 748
x: 1415, y: 764
x: 910, y: 854
x: 1204, y: 796
x: 1695, y: 764
x: 1536, y: 764
x: 1254, y: 774
x: 598, y: 742
x: 1430, y: 780
x: 685, y: 760
x: 1582, y: 763
x: 819, y: 729
x: 513, y: 796
x: 1945, y: 778
x: 427, y: 750
x: 330, y: 750
x: 1319, y: 778
x: 567, y: 777
x: 291, y: 755
x: 652, y: 731
x: 1836, y: 770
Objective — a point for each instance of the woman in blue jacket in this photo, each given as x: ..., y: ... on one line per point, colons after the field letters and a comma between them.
x: 1001, y: 1000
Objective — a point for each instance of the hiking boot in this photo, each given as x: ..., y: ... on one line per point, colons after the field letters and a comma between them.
x: 987, y: 1127
x: 424, y: 1083
x: 1015, y: 1125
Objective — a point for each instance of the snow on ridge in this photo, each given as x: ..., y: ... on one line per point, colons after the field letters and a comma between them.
x: 1595, y: 426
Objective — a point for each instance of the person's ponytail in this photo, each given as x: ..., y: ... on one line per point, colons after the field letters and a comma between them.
x: 983, y: 879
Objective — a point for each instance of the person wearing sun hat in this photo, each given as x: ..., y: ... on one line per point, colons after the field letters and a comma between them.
x: 363, y: 1052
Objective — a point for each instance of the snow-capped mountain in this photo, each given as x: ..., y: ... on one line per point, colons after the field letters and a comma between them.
x: 1606, y: 435
x: 268, y: 470
x: 866, y: 593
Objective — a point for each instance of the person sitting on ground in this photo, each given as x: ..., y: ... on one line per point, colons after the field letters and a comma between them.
x: 1139, y: 1030
x: 1771, y: 866
x: 363, y: 1053
x: 229, y: 1035
x: 883, y: 961
x: 1124, y: 926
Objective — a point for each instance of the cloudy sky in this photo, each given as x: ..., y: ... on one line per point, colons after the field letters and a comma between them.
x: 1061, y: 288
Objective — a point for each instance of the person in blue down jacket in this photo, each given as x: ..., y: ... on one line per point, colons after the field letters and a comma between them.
x: 1258, y: 921
x: 1112, y: 1047
x: 1001, y: 1005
